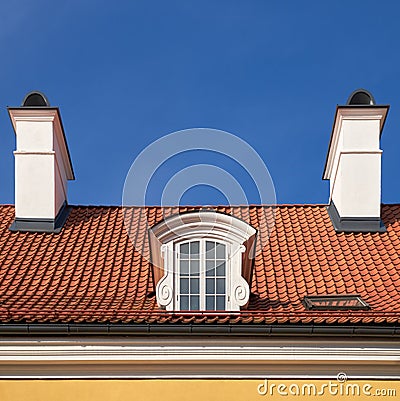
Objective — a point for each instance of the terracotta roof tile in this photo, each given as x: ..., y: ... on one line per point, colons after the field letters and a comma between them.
x: 92, y: 271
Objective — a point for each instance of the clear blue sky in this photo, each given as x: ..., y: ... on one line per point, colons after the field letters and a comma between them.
x: 125, y: 73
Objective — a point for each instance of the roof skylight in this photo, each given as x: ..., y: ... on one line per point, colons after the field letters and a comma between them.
x: 335, y: 302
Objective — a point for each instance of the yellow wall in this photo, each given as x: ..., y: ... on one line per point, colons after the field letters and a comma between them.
x: 196, y: 390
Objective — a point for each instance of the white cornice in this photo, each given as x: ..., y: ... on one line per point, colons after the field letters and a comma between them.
x: 199, y: 358
x: 195, y: 353
x: 203, y: 223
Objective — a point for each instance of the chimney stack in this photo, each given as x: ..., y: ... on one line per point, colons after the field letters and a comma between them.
x: 353, y: 164
x: 42, y: 166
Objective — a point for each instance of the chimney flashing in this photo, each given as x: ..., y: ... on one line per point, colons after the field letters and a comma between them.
x: 354, y: 224
x: 40, y: 225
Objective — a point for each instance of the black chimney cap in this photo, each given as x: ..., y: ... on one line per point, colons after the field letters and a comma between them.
x: 361, y: 97
x: 35, y: 99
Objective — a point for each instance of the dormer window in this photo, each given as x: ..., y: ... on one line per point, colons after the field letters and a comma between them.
x: 199, y: 259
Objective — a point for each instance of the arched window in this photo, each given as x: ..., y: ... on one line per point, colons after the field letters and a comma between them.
x: 201, y: 261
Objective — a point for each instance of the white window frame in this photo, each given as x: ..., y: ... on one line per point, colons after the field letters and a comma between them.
x: 202, y: 225
x: 202, y: 271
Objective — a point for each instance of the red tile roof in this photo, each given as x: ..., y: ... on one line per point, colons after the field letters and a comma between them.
x: 91, y: 271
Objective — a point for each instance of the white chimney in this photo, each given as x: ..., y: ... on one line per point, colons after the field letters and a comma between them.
x: 42, y: 166
x: 353, y: 165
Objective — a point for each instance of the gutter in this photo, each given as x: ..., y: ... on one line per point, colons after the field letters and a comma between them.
x: 108, y: 329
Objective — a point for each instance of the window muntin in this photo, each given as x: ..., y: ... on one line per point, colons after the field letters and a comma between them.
x: 202, y: 275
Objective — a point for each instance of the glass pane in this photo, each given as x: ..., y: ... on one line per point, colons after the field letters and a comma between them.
x: 221, y: 269
x: 210, y: 303
x: 210, y: 268
x: 194, y: 249
x: 220, y: 303
x: 210, y: 250
x: 194, y: 267
x: 184, y: 267
x: 210, y: 286
x: 194, y: 286
x: 220, y: 251
x: 220, y: 286
x: 184, y: 302
x: 184, y: 250
x: 194, y: 302
x: 184, y: 285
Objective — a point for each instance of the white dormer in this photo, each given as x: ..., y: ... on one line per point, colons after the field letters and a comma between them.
x: 42, y: 165
x: 200, y: 258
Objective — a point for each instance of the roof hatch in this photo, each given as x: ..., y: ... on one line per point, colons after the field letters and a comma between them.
x: 335, y: 302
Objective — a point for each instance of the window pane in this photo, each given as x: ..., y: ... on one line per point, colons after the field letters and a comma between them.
x: 184, y: 267
x: 184, y: 286
x: 194, y: 249
x: 194, y: 302
x: 194, y: 286
x: 220, y: 251
x: 194, y: 267
x: 210, y: 250
x: 220, y: 286
x: 210, y: 304
x: 184, y: 250
x: 220, y: 269
x: 210, y: 286
x: 220, y: 303
x: 210, y: 268
x: 184, y: 302
x: 210, y: 245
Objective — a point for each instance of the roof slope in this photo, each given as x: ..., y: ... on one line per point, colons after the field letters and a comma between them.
x: 91, y: 271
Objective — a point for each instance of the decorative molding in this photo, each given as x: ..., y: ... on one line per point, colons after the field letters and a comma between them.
x: 164, y: 292
x: 239, y: 288
x: 165, y: 287
x: 206, y: 358
x: 241, y: 294
x: 200, y: 224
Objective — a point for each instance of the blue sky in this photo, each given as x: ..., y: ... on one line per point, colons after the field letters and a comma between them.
x: 127, y: 73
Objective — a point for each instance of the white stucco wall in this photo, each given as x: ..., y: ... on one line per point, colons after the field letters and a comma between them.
x: 354, y: 162
x: 41, y: 163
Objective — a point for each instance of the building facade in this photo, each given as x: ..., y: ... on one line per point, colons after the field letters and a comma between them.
x: 262, y: 302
